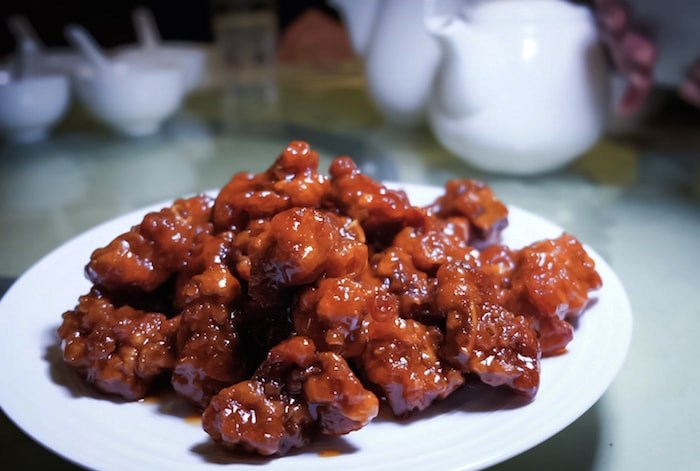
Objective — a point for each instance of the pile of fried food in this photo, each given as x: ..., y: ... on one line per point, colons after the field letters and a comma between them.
x: 293, y: 302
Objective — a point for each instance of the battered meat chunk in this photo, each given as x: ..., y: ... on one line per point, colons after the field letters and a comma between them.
x: 251, y: 416
x: 298, y: 247
x: 331, y: 314
x: 475, y: 201
x: 409, y: 266
x: 120, y: 350
x: 401, y: 361
x: 495, y: 344
x: 547, y: 282
x: 292, y: 181
x: 208, y: 355
x: 208, y: 338
x: 498, y: 261
x: 555, y: 276
x: 295, y: 393
x: 142, y: 259
x: 381, y: 212
x: 334, y: 313
x: 436, y: 242
x: 482, y: 337
x: 462, y: 284
x: 413, y: 287
x: 551, y: 282
x: 248, y: 241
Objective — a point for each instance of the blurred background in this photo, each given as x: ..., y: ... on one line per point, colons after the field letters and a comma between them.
x: 182, y: 20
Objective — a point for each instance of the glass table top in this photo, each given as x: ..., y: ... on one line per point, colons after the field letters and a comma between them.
x: 636, y: 200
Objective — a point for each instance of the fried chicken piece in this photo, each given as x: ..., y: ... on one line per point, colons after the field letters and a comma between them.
x: 298, y: 247
x: 547, y: 282
x: 292, y: 181
x: 555, y: 276
x: 295, y: 393
x: 208, y: 355
x: 120, y: 350
x: 550, y: 283
x: 333, y: 313
x: 413, y: 287
x: 462, y: 284
x: 495, y: 344
x: 475, y: 201
x: 409, y: 265
x: 247, y: 241
x: 251, y: 416
x: 336, y: 397
x: 381, y: 212
x: 142, y: 259
x: 401, y: 360
x: 206, y: 273
x: 436, y: 242
x: 481, y: 336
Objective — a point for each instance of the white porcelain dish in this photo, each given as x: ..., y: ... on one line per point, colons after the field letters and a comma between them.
x: 150, y: 49
x: 30, y: 107
x: 472, y: 429
x: 190, y: 61
x: 133, y: 100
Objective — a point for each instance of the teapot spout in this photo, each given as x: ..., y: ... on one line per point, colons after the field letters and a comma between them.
x: 359, y: 16
x: 464, y: 83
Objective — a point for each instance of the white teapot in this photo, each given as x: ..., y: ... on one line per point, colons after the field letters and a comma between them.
x: 522, y: 87
x: 401, y: 58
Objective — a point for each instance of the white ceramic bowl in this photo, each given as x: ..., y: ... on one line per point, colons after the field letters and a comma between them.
x: 190, y: 60
x: 133, y: 100
x: 30, y: 107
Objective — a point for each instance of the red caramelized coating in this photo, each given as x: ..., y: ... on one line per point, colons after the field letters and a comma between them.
x: 208, y: 338
x: 255, y: 302
x: 292, y: 181
x: 495, y: 344
x: 436, y: 242
x: 120, y: 350
x: 249, y: 417
x: 381, y: 212
x: 301, y: 245
x: 401, y: 360
x: 332, y: 313
x: 475, y: 201
x: 550, y: 282
x: 296, y: 392
x: 555, y: 276
x: 481, y: 336
x: 208, y: 355
x: 335, y: 313
x: 206, y: 273
x: 146, y: 256
x: 415, y: 290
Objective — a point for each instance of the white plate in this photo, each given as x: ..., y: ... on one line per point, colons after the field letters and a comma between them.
x: 474, y: 428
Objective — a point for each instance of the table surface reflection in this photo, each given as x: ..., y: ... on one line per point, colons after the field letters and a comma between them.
x: 635, y: 200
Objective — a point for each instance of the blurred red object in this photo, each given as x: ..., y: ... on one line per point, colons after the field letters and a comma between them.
x: 314, y: 38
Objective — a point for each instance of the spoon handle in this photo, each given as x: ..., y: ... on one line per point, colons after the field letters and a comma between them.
x: 146, y: 29
x: 28, y: 58
x: 89, y: 48
x: 23, y: 32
